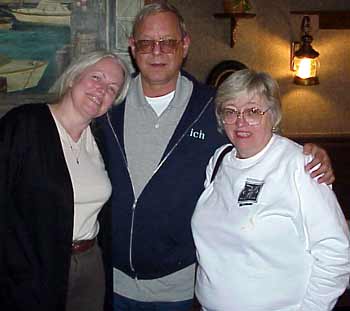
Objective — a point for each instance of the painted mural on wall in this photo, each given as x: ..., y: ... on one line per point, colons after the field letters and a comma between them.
x: 34, y: 35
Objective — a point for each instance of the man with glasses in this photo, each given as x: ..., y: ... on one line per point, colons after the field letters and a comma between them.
x: 157, y: 145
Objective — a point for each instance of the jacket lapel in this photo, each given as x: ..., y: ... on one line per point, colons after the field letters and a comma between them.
x: 116, y: 116
x: 57, y: 166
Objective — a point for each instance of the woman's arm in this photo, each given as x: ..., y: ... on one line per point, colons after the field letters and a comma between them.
x: 327, y: 237
x: 13, y: 141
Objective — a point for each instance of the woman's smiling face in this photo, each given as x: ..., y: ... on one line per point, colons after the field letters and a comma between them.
x: 94, y: 91
x: 248, y: 139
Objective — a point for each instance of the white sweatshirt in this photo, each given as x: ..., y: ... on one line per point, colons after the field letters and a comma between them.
x: 268, y: 236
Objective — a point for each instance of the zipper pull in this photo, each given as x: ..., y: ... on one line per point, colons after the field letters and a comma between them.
x: 134, y: 205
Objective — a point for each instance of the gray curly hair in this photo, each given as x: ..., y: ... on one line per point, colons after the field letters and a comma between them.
x: 249, y: 82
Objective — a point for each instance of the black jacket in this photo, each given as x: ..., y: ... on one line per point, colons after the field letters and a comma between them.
x: 152, y: 236
x: 36, y: 202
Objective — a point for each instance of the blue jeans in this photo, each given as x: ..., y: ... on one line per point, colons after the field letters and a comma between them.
x: 126, y: 304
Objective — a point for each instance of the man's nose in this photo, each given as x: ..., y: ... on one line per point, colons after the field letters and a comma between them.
x: 156, y: 48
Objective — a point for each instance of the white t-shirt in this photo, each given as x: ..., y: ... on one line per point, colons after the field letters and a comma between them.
x: 160, y: 103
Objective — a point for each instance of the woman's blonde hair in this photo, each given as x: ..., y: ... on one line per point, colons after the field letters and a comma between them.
x: 74, y: 70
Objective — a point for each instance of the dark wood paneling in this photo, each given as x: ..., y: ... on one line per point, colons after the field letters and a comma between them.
x: 329, y: 19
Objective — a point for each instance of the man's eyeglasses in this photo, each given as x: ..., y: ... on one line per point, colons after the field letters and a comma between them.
x: 165, y: 45
x: 252, y: 116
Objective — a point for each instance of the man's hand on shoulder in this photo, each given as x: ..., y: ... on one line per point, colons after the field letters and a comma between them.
x: 320, y: 156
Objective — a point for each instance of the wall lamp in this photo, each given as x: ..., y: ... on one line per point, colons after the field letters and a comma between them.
x: 303, y: 58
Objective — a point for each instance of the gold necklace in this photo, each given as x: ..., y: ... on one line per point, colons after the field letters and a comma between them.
x: 80, y: 143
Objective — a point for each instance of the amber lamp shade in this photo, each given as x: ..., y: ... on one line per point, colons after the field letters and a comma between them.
x: 306, y: 70
x: 305, y: 60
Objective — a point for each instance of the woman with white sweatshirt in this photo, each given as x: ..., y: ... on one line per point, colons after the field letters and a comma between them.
x: 268, y: 236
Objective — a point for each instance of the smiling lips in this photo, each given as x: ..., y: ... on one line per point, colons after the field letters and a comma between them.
x: 95, y: 99
x: 242, y: 134
x: 157, y: 63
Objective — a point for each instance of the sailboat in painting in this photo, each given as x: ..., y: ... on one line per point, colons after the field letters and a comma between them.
x: 21, y: 74
x: 6, y: 20
x: 47, y: 12
x: 5, y: 23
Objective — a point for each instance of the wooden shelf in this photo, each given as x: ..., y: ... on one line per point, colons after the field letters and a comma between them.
x: 233, y: 18
x: 329, y: 19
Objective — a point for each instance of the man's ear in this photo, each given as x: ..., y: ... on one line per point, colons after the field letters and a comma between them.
x: 186, y: 41
x: 131, y: 42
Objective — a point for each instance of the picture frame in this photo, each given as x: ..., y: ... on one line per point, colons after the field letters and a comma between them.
x: 35, y: 42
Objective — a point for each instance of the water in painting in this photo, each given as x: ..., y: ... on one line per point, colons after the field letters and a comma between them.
x: 21, y: 40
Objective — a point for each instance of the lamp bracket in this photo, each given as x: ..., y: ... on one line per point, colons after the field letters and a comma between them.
x: 294, y: 45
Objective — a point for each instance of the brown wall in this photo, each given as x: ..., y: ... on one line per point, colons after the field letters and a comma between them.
x: 263, y: 44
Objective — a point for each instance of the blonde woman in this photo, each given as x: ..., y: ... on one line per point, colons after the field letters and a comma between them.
x: 53, y: 188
